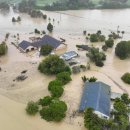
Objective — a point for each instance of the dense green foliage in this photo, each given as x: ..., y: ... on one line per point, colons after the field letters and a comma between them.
x: 55, y: 111
x: 3, y: 48
x: 50, y: 27
x: 120, y: 120
x: 52, y: 65
x: 54, y: 83
x: 91, y: 79
x: 32, y: 108
x: 56, y: 91
x: 126, y: 78
x: 64, y: 77
x: 97, y: 37
x: 96, y: 56
x: 109, y: 43
x: 122, y: 49
x: 46, y: 50
x: 45, y: 101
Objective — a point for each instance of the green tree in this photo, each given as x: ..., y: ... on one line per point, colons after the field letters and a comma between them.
x: 3, y: 48
x: 93, y: 38
x: 126, y: 78
x: 19, y: 19
x: 45, y: 101
x: 55, y: 112
x: 46, y: 49
x: 56, y: 91
x: 122, y: 49
x: 32, y: 108
x: 52, y: 65
x: 109, y: 43
x: 50, y: 27
x: 13, y: 19
x: 54, y: 83
x: 64, y: 77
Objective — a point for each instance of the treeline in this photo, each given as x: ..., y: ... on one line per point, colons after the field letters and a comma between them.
x: 4, y: 6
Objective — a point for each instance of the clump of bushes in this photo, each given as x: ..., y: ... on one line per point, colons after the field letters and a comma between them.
x: 32, y: 108
x: 104, y: 48
x: 54, y: 83
x: 45, y: 101
x: 126, y: 78
x: 46, y: 50
x: 37, y: 31
x: 3, y: 48
x: 55, y: 111
x: 64, y: 77
x: 109, y: 43
x: 53, y: 65
x: 96, y: 56
x: 18, y: 19
x: 91, y: 79
x: 97, y: 37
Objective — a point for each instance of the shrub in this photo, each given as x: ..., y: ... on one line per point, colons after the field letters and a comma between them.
x: 83, y: 67
x: 84, y: 79
x: 56, y: 91
x: 54, y: 83
x: 64, y: 77
x: 13, y: 19
x: 99, y: 63
x: 3, y: 48
x: 76, y: 69
x: 46, y: 49
x: 37, y: 31
x: 126, y: 78
x: 55, y: 112
x: 52, y: 65
x: 93, y: 38
x: 109, y: 42
x: 101, y: 38
x: 32, y: 108
x: 45, y: 101
x: 92, y: 79
x: 104, y: 48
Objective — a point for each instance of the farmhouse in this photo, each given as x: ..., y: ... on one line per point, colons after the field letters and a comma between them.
x: 96, y: 95
x: 26, y: 46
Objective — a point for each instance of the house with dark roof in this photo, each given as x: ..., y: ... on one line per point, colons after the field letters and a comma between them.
x: 26, y: 46
x: 96, y: 95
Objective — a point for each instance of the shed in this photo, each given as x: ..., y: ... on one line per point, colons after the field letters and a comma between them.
x: 96, y: 95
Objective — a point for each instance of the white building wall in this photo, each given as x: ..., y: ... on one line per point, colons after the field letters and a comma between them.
x: 101, y: 115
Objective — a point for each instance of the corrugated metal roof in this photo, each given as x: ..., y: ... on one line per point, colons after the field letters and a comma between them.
x: 96, y: 95
x: 24, y: 44
x: 47, y: 40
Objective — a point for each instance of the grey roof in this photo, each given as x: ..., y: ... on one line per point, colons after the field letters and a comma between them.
x: 47, y: 40
x: 69, y: 55
x: 115, y: 95
x: 24, y: 44
x: 96, y: 95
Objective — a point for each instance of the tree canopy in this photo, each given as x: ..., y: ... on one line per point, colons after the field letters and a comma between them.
x: 3, y: 48
x: 52, y: 65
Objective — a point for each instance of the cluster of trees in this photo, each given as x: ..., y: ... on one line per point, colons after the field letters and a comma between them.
x: 97, y: 37
x: 126, y: 78
x: 96, y: 56
x: 18, y: 19
x: 119, y: 117
x: 53, y: 65
x: 70, y: 4
x: 3, y: 48
x: 52, y: 109
x: 122, y: 49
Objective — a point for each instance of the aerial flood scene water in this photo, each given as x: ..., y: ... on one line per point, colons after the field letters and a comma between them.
x: 56, y: 66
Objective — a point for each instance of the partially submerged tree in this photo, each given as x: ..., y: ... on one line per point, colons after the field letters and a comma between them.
x: 109, y: 43
x: 45, y: 101
x: 126, y: 78
x: 50, y: 27
x: 3, y: 48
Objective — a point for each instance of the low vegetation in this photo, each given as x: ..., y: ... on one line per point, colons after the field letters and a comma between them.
x: 126, y: 78
x: 45, y: 101
x: 50, y: 27
x: 91, y: 79
x: 109, y: 43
